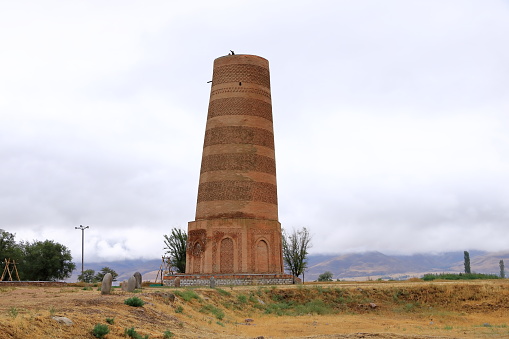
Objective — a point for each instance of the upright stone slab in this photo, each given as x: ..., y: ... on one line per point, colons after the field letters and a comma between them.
x: 137, y: 275
x: 131, y: 284
x: 212, y: 282
x: 176, y: 283
x: 123, y: 285
x: 106, y: 283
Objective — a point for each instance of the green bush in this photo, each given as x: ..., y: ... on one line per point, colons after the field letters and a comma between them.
x: 131, y: 333
x: 134, y: 302
x: 179, y: 309
x: 110, y: 321
x: 100, y: 330
x: 168, y: 334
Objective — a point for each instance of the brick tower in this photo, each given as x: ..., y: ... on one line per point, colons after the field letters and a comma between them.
x: 236, y: 228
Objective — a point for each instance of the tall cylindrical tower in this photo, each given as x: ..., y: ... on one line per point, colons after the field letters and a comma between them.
x: 236, y: 228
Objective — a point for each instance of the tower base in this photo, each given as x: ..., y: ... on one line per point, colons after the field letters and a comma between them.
x: 207, y: 280
x: 234, y: 246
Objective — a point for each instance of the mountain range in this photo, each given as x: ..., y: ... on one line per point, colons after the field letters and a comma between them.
x: 351, y: 266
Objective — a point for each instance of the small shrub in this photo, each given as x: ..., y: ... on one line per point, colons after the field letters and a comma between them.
x: 179, y: 309
x: 13, y: 312
x: 219, y: 323
x: 134, y: 302
x: 242, y: 298
x: 168, y: 334
x: 87, y: 288
x: 131, y: 333
x: 100, y: 330
x: 110, y: 321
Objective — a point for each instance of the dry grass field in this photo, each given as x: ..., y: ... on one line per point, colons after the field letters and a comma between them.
x: 416, y: 309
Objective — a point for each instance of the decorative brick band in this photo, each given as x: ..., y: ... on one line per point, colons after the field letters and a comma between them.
x: 239, y: 135
x: 241, y: 73
x: 238, y: 162
x: 240, y: 89
x: 240, y: 106
x: 238, y: 191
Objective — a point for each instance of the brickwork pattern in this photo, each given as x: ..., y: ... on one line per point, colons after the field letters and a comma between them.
x: 237, y: 193
x: 241, y: 73
x: 237, y: 190
x: 240, y: 89
x: 226, y: 256
x: 238, y: 162
x: 240, y: 106
x: 239, y: 135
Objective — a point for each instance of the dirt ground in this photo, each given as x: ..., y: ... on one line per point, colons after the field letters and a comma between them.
x: 334, y: 310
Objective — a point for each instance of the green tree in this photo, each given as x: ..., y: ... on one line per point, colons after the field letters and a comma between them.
x: 45, y: 261
x: 502, y: 269
x: 466, y: 257
x: 100, y: 275
x: 295, y: 250
x: 9, y: 249
x: 325, y: 276
x: 176, y: 246
x: 88, y: 276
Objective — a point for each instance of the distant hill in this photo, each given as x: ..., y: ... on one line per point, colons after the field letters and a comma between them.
x: 374, y: 265
x: 352, y: 266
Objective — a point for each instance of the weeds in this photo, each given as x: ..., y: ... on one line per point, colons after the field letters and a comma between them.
x: 110, y: 321
x: 168, y: 334
x: 134, y: 302
x: 179, y: 309
x: 100, y: 330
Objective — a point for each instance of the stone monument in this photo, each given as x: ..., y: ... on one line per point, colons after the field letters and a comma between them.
x: 236, y: 228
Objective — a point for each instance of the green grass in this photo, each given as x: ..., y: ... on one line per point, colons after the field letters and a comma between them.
x: 187, y: 295
x: 223, y: 292
x: 217, y: 312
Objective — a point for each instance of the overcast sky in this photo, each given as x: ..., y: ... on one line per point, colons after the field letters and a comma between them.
x: 391, y: 119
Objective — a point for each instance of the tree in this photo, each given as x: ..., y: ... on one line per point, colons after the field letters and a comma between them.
x: 88, y: 276
x: 176, y: 246
x: 295, y: 250
x: 100, y: 275
x: 466, y: 256
x: 45, y: 261
x: 8, y: 247
x: 502, y: 270
x: 325, y: 276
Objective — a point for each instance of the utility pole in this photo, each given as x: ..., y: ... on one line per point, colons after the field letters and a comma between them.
x: 82, y: 228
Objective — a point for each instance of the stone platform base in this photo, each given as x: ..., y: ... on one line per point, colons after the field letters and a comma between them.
x: 213, y: 280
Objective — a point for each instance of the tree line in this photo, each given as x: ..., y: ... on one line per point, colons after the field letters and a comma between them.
x: 37, y: 260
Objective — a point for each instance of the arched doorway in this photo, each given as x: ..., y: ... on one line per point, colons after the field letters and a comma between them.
x: 197, y: 257
x: 262, y: 257
x: 226, y: 256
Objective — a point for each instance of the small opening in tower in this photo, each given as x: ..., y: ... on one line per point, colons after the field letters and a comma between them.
x: 240, y: 83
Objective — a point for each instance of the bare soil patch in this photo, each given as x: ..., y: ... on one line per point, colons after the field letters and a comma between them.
x: 478, y: 309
